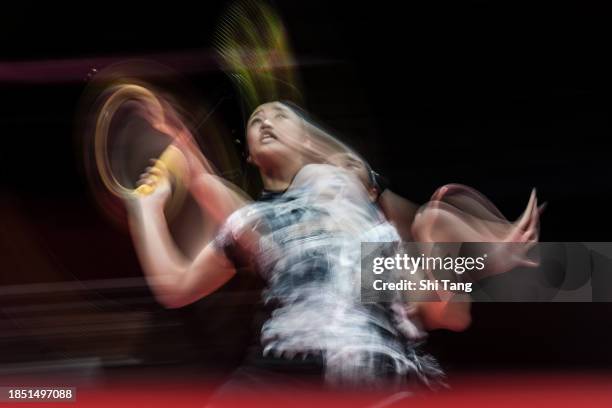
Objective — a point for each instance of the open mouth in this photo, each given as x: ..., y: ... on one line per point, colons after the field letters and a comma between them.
x: 267, y: 136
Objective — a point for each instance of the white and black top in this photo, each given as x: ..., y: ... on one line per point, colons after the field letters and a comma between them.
x: 305, y: 243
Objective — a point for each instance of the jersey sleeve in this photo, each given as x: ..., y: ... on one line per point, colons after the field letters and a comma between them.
x: 225, y: 241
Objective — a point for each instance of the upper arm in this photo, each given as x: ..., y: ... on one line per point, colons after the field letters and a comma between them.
x: 398, y: 211
x: 218, y: 196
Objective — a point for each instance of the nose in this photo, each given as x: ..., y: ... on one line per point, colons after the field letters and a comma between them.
x: 266, y: 123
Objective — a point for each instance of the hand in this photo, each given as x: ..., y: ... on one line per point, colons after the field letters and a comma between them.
x: 520, y: 239
x: 527, y: 227
x: 154, y: 185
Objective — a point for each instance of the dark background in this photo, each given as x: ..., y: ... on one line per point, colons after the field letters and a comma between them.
x: 501, y: 96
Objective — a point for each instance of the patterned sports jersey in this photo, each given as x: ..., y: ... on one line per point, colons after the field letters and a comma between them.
x: 306, y: 243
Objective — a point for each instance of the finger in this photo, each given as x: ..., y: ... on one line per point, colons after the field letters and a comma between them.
x: 528, y: 235
x: 155, y: 171
x: 533, y: 202
x: 440, y: 193
x: 143, y: 178
x: 542, y: 207
x: 525, y: 218
x: 159, y: 164
x: 533, y: 220
x: 149, y: 180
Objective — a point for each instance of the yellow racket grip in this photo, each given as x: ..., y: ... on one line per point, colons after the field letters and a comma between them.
x: 175, y: 163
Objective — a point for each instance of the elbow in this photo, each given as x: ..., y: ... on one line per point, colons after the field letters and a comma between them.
x: 178, y: 296
x: 454, y: 316
x: 459, y: 324
x: 168, y: 288
x: 455, y: 324
x: 171, y: 302
x: 170, y: 295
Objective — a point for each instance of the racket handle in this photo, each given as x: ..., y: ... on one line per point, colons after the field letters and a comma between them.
x: 176, y: 165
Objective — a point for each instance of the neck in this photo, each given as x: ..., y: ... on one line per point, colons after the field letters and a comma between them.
x: 279, y: 179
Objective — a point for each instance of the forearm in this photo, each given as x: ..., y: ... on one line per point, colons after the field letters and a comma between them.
x: 451, y: 314
x: 443, y: 309
x: 162, y: 262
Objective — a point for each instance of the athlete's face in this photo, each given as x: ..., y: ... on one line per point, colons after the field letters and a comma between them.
x: 274, y: 132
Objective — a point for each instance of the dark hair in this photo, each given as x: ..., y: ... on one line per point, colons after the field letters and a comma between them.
x: 297, y: 109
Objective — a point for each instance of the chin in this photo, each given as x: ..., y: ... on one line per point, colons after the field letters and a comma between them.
x: 272, y: 152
